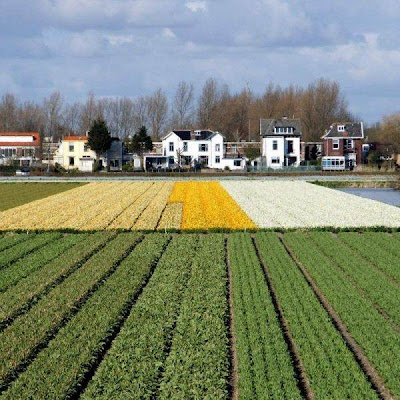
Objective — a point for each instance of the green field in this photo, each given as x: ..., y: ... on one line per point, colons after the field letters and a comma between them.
x: 16, y: 194
x: 206, y: 316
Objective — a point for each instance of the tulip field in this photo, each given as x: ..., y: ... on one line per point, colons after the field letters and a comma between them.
x: 198, y: 290
x: 228, y: 205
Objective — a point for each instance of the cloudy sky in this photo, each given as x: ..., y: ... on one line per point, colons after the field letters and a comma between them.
x: 131, y: 47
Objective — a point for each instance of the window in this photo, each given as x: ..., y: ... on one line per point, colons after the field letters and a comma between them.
x: 290, y: 146
x: 236, y: 163
x: 234, y: 148
x: 335, y: 144
x: 340, y: 128
x: 217, y: 147
x: 171, y: 146
x: 348, y: 144
x: 274, y: 145
x: 71, y: 147
x: 85, y: 148
x: 275, y: 160
x: 71, y: 161
x: 217, y: 159
x: 185, y: 146
x: 203, y: 147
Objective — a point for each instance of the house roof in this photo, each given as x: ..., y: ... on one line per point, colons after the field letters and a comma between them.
x: 183, y: 134
x: 351, y: 130
x: 198, y: 134
x: 32, y: 139
x: 267, y: 126
x: 72, y: 138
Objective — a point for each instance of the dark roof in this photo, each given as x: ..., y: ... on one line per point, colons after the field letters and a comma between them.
x: 184, y: 135
x: 203, y: 134
x: 351, y: 130
x: 267, y: 126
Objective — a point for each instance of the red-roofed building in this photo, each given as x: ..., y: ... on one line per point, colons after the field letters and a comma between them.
x: 19, y: 147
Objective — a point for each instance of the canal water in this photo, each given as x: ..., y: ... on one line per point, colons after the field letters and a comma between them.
x: 384, y: 195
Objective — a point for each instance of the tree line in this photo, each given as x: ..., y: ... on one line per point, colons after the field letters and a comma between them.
x: 235, y: 114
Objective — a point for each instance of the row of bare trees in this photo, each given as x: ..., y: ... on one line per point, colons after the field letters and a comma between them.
x: 234, y: 114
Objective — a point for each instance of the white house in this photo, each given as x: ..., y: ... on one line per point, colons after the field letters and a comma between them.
x: 22, y: 148
x: 280, y: 142
x: 204, y: 147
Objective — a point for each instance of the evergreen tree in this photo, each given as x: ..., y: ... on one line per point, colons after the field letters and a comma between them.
x: 99, y: 139
x: 140, y: 143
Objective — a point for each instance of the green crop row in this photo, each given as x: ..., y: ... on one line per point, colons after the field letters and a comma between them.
x: 36, y: 284
x: 14, y: 253
x: 12, y: 239
x: 79, y: 344
x: 374, y: 283
x: 198, y: 364
x: 16, y: 194
x: 132, y: 367
x: 329, y: 365
x: 378, y: 339
x: 25, y: 266
x: 46, y: 316
x: 374, y: 251
x: 264, y: 366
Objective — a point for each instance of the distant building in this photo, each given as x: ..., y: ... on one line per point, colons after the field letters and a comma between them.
x: 22, y: 148
x: 187, y: 148
x: 280, y: 145
x: 343, y: 146
x: 74, y: 153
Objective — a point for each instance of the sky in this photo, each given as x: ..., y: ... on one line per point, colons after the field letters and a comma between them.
x: 132, y: 47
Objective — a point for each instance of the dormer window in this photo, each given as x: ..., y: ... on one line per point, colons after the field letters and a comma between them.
x: 340, y: 128
x: 282, y: 129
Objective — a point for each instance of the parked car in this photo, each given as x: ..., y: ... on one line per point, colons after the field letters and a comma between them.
x: 22, y: 172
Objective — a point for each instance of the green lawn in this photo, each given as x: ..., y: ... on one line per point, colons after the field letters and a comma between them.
x: 15, y: 194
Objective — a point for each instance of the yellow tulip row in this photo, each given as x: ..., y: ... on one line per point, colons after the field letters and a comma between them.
x: 206, y: 205
x: 171, y: 217
x: 131, y: 206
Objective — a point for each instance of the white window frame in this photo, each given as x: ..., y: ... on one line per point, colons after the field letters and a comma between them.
x: 217, y: 159
x: 71, y: 148
x: 171, y: 146
x: 201, y: 147
x: 237, y: 163
x: 349, y: 144
x: 274, y: 144
x: 335, y: 144
x: 217, y: 147
x: 185, y: 146
x: 340, y: 128
x: 275, y: 160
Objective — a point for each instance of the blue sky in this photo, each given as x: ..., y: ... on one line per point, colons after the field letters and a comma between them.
x: 131, y: 47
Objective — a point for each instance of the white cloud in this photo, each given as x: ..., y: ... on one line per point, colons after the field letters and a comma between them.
x: 168, y: 33
x: 195, y: 6
x: 119, y: 40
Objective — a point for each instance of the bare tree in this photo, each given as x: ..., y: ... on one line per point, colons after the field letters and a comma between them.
x: 157, y: 112
x: 72, y: 117
x: 182, y: 108
x: 90, y: 112
x: 140, y: 113
x: 8, y: 112
x: 52, y: 113
x: 31, y: 118
x: 207, y: 103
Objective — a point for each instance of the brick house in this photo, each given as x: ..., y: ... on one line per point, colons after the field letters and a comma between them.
x: 343, y: 146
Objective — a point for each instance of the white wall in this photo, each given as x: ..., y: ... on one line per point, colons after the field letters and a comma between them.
x: 282, y: 150
x: 193, y: 149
